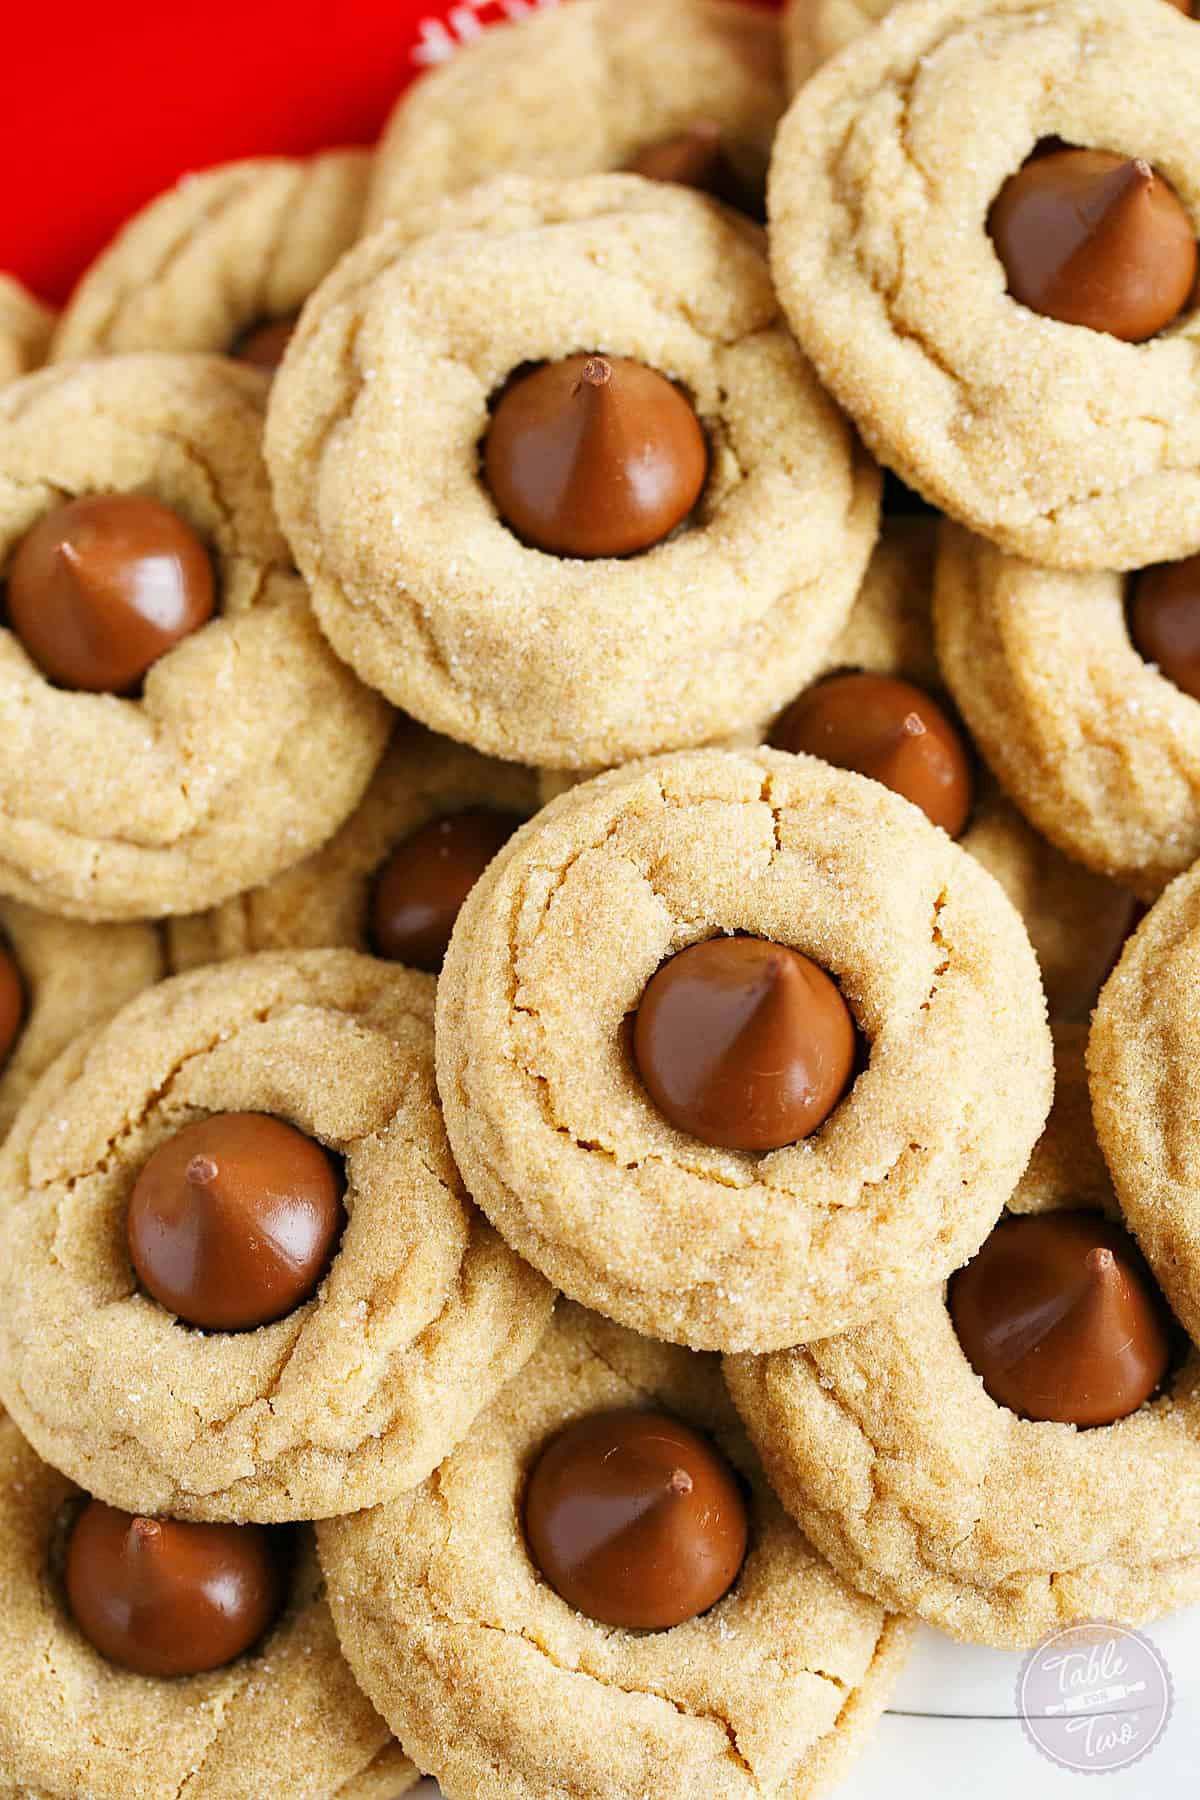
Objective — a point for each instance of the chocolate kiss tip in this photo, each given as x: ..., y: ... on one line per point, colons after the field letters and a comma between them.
x: 1144, y: 172
x: 914, y: 725
x: 596, y: 372
x: 201, y: 1171
x: 144, y: 1534
x: 1100, y: 1261
x: 680, y: 1482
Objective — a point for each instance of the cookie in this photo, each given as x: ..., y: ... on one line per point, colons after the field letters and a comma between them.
x: 1140, y: 1061
x: 247, y: 743
x: 1060, y: 443
x: 1095, y: 744
x: 218, y: 256
x: 349, y: 1396
x: 72, y: 1722
x: 583, y: 90
x: 560, y: 1141
x: 72, y: 977
x: 420, y: 584
x: 511, y: 1691
x: 327, y: 899
x: 929, y: 1494
x: 25, y: 327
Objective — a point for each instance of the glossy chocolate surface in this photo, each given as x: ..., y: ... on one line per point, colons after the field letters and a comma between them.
x: 1096, y: 240
x: 1061, y: 1319
x: 233, y: 1222
x: 101, y: 587
x: 594, y: 456
x: 890, y: 730
x: 744, y: 1044
x: 636, y: 1520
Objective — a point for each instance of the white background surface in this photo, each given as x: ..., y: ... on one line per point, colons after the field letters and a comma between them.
x: 952, y: 1731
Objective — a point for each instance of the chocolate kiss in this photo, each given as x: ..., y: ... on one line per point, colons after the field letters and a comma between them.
x: 12, y: 1002
x: 233, y: 1221
x: 1164, y: 621
x: 591, y: 457
x: 1095, y: 240
x: 164, y: 1598
x: 744, y: 1043
x: 1061, y: 1320
x: 635, y: 1519
x: 890, y: 730
x: 104, y: 585
x: 699, y: 158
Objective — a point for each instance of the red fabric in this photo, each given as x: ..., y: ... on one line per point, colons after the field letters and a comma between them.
x: 103, y: 106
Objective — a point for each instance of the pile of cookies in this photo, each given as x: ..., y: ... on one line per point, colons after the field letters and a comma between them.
x: 597, y: 997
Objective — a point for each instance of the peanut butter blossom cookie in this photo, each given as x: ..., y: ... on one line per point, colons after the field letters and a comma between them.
x: 25, y: 327
x: 184, y: 1652
x: 224, y: 261
x: 598, y: 1595
x: 983, y: 230
x: 1083, y: 691
x: 1141, y: 1061
x: 177, y: 728
x: 1019, y: 1449
x: 575, y: 495
x: 807, y: 1064
x: 392, y: 879
x: 679, y: 90
x: 232, y: 1221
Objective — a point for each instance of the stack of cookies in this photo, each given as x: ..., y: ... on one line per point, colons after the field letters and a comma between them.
x: 600, y: 908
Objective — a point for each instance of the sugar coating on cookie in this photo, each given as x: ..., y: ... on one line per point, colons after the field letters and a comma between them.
x: 249, y: 742
x: 815, y: 30
x: 231, y: 1732
x: 326, y: 900
x: 450, y: 1628
x: 580, y: 90
x: 560, y: 1141
x: 351, y: 1396
x: 74, y: 976
x: 1141, y: 1064
x: 216, y: 255
x: 25, y: 328
x: 374, y: 439
x: 924, y: 1491
x: 1095, y: 745
x: 1058, y: 442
